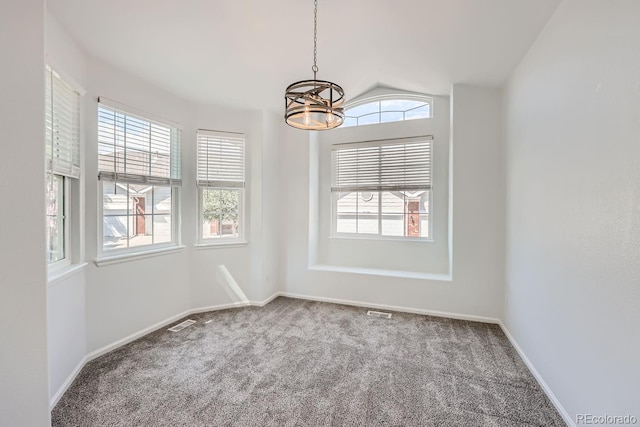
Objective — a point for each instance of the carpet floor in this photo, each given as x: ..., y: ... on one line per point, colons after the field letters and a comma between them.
x: 303, y: 363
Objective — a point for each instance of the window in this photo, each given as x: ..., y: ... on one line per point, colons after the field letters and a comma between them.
x: 221, y: 181
x: 382, y: 188
x: 62, y: 145
x: 387, y: 109
x: 139, y: 172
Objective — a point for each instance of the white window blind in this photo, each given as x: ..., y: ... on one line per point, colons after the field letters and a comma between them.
x: 389, y: 165
x: 62, y: 122
x: 220, y: 159
x: 136, y: 150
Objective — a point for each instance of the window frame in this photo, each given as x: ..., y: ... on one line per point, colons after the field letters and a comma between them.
x: 116, y: 253
x: 73, y: 158
x: 66, y: 244
x: 334, y: 234
x: 241, y: 238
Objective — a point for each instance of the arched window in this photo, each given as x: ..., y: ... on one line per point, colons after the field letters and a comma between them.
x: 388, y: 108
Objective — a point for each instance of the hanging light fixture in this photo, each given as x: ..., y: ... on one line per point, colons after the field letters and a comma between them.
x: 314, y: 104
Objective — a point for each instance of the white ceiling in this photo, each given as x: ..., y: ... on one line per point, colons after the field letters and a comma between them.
x: 244, y: 53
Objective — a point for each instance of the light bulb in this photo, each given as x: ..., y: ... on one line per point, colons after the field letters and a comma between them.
x: 330, y: 118
x: 307, y: 113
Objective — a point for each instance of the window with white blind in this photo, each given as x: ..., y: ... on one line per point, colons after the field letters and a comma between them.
x: 221, y: 182
x: 62, y: 145
x: 382, y: 188
x: 140, y: 176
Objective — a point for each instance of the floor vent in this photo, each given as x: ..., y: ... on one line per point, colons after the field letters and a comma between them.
x: 182, y: 325
x: 379, y: 314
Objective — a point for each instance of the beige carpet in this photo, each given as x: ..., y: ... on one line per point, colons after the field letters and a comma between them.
x: 301, y: 363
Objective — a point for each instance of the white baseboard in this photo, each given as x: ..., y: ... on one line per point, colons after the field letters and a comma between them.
x: 70, y: 379
x: 266, y: 301
x: 126, y: 340
x: 218, y: 307
x: 394, y: 308
x: 545, y: 387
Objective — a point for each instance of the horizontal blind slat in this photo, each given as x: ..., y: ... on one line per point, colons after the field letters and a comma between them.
x: 135, y: 150
x: 220, y: 159
x: 388, y: 165
x: 62, y: 123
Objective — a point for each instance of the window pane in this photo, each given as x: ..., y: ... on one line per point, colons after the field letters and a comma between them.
x: 424, y: 214
x: 115, y: 208
x: 55, y: 218
x: 228, y: 228
x: 368, y: 202
x: 361, y: 110
x: 400, y: 104
x: 399, y: 213
x: 393, y: 202
x: 140, y: 229
x: 210, y: 214
x: 369, y: 119
x: 350, y: 121
x: 346, y: 212
x: 220, y: 213
x: 418, y: 113
x: 424, y: 225
x: 412, y: 217
x: 388, y: 110
x: 115, y: 231
x: 135, y: 215
x: 393, y: 209
x: 393, y: 225
x: 162, y: 228
x: 395, y: 116
x: 161, y: 200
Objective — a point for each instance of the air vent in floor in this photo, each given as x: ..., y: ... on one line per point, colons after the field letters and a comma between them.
x: 180, y: 326
x: 379, y: 314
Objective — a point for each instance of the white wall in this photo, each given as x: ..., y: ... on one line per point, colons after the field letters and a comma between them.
x: 247, y: 264
x: 272, y: 136
x: 124, y: 298
x: 573, y: 132
x: 66, y: 328
x: 66, y: 320
x: 477, y: 214
x: 23, y: 345
x: 97, y: 306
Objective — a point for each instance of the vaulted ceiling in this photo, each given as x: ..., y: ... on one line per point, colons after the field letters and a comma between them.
x: 244, y: 53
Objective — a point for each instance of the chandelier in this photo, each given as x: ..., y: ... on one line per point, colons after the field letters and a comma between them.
x: 314, y: 104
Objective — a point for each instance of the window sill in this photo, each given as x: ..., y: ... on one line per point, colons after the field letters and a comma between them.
x: 221, y: 245
x: 61, y: 274
x: 132, y: 256
x: 379, y: 272
x: 384, y: 239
